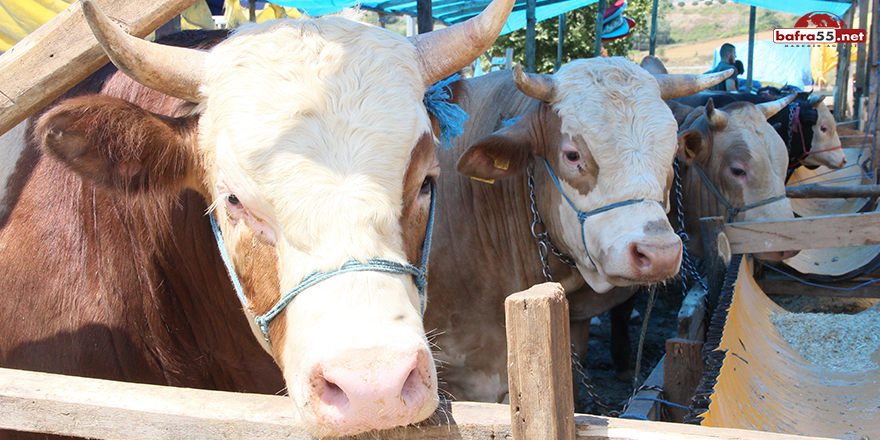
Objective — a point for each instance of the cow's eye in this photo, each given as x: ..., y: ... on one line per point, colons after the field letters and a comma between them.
x: 738, y: 172
x: 233, y: 200
x: 824, y: 129
x: 572, y: 156
x: 426, y: 185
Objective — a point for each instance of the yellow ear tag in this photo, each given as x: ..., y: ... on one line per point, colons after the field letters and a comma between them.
x: 501, y: 163
x: 489, y: 181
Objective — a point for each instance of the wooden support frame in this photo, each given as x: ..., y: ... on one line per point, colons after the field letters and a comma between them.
x: 539, y: 363
x: 102, y: 409
x: 63, y: 52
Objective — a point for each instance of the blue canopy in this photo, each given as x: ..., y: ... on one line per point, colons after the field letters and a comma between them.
x: 455, y: 11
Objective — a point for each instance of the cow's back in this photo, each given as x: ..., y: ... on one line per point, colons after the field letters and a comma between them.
x: 102, y: 284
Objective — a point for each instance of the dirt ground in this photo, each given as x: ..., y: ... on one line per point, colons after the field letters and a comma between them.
x: 662, y: 325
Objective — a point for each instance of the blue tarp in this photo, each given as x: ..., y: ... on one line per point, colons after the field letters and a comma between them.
x: 776, y: 63
x: 545, y: 10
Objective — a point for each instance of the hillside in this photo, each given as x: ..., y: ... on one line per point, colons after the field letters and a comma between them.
x: 692, y: 33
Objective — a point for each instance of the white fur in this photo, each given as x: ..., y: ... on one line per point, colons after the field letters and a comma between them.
x: 311, y: 125
x: 614, y: 107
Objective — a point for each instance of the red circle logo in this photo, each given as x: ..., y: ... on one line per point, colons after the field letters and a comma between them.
x: 820, y: 19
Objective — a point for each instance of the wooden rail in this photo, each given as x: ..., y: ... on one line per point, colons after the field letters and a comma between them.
x: 830, y: 231
x: 63, y: 52
x: 832, y: 192
x: 101, y: 409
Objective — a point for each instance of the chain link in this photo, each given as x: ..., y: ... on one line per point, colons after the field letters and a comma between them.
x: 539, y: 231
x: 690, y: 274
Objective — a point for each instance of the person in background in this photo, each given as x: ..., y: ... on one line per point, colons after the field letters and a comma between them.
x: 728, y: 61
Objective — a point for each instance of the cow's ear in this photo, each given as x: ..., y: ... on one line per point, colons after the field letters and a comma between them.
x: 502, y: 154
x: 118, y: 145
x: 692, y: 147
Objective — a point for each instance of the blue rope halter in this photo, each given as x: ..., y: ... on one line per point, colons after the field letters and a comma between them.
x: 731, y: 211
x: 420, y: 273
x: 582, y: 216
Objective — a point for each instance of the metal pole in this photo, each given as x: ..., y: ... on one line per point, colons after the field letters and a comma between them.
x: 560, y: 42
x: 425, y: 13
x: 752, y: 13
x: 530, y: 35
x: 600, y: 15
x: 653, y: 40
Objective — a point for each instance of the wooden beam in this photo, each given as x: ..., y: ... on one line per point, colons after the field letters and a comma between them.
x: 804, y: 233
x: 682, y: 373
x: 692, y: 315
x: 539, y: 363
x: 643, y: 405
x: 856, y: 141
x: 752, y: 14
x: 531, y: 32
x: 832, y: 192
x: 103, y: 409
x: 717, y: 252
x: 63, y: 52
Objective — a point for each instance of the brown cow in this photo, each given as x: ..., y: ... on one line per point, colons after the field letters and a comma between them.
x: 601, y: 126
x: 309, y: 142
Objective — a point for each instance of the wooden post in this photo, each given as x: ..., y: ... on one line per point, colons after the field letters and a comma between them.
x: 539, y: 364
x: 531, y: 22
x: 600, y: 16
x: 508, y: 58
x: 752, y: 12
x: 842, y: 84
x: 692, y: 315
x: 653, y: 41
x: 874, y: 97
x: 861, y: 63
x: 252, y: 11
x: 63, y: 52
x: 681, y: 374
x: 716, y: 249
x: 425, y: 12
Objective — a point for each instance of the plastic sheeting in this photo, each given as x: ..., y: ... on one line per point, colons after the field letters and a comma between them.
x: 765, y: 385
x: 774, y: 63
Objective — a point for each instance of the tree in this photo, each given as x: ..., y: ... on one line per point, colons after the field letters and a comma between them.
x: 579, y: 37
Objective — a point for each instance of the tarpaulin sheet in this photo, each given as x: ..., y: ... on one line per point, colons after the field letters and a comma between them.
x: 776, y: 63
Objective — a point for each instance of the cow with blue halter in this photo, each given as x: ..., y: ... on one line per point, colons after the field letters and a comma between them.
x: 580, y: 165
x: 307, y: 148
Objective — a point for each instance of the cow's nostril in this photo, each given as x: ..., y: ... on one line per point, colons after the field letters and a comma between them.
x: 332, y: 395
x: 639, y: 258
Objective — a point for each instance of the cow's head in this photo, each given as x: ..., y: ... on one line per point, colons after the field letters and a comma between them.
x: 743, y: 160
x: 825, y: 142
x: 601, y: 127
x: 311, y: 143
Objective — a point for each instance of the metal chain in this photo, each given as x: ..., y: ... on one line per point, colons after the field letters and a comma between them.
x: 544, y: 244
x: 689, y: 271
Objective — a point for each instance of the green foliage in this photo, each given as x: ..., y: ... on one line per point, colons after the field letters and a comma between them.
x: 681, y: 4
x: 579, y: 37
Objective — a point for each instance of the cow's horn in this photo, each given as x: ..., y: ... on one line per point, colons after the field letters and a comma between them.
x: 171, y: 70
x: 677, y: 85
x: 445, y: 51
x: 538, y: 86
x: 716, y: 119
x: 773, y: 107
x: 815, y: 100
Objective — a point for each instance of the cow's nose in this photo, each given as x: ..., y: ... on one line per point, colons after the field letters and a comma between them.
x: 655, y: 262
x: 354, y: 397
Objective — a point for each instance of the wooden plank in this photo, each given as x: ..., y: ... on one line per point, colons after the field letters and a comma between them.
x: 681, y: 375
x: 832, y: 192
x: 692, y: 315
x: 787, y: 286
x: 717, y: 251
x: 856, y: 141
x: 804, y: 233
x: 643, y: 407
x: 102, y: 409
x: 63, y: 52
x: 539, y: 363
